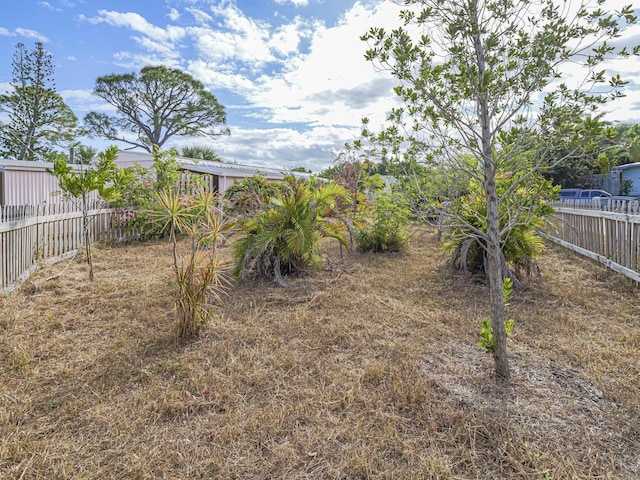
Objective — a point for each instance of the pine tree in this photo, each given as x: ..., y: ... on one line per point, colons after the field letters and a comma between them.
x: 38, y: 118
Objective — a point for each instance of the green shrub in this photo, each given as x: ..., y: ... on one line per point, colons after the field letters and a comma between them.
x: 386, y: 229
x: 249, y: 196
x: 523, y: 214
x: 136, y: 204
x: 283, y: 238
x: 488, y: 341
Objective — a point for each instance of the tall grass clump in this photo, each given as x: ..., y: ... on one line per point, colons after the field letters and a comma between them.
x: 198, y: 273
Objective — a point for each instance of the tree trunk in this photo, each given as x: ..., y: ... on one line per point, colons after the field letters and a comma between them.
x: 494, y: 274
x: 87, y: 234
x: 494, y: 250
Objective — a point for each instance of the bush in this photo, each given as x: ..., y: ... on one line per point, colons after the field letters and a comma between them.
x: 198, y: 274
x: 523, y: 215
x: 386, y: 230
x: 136, y: 204
x: 249, y: 196
x: 283, y: 238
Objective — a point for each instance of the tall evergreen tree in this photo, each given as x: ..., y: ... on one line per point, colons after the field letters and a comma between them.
x: 38, y: 120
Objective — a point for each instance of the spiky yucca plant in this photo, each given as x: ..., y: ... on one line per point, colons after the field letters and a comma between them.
x: 284, y: 238
x: 198, y: 273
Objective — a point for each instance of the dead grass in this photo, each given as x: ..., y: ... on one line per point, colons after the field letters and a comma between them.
x: 366, y: 370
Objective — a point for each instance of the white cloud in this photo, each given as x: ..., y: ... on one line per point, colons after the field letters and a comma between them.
x: 626, y: 109
x: 332, y: 84
x: 286, y: 39
x: 173, y: 15
x: 221, y: 78
x: 199, y: 16
x: 48, y: 6
x: 217, y: 47
x: 137, y: 23
x: 84, y: 101
x: 159, y: 45
x: 25, y: 32
x: 297, y: 3
x: 135, y: 61
x: 278, y: 147
x: 308, y: 80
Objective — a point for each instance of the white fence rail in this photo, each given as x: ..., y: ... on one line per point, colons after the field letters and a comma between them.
x: 47, y: 233
x: 608, y: 232
x: 30, y: 235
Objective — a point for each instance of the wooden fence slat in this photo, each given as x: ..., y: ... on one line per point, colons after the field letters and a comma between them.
x: 608, y: 233
x: 51, y: 233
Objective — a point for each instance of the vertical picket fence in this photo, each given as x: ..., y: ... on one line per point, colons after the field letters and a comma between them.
x: 606, y: 231
x: 30, y: 235
x: 50, y: 232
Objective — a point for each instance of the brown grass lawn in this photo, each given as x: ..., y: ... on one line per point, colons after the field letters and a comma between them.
x: 368, y: 369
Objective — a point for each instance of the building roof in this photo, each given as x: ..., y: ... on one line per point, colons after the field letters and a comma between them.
x: 27, y: 165
x: 233, y: 169
x: 626, y: 166
x: 146, y: 160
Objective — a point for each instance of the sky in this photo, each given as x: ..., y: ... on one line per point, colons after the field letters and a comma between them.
x: 290, y: 73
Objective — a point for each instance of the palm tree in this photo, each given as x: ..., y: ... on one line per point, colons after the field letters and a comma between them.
x: 200, y: 153
x: 284, y: 238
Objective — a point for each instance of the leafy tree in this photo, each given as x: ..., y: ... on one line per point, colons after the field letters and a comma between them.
x: 626, y: 146
x: 105, y: 178
x: 284, y: 238
x: 301, y: 169
x: 38, y: 118
x: 428, y: 187
x: 154, y: 105
x: 612, y: 148
x: 471, y: 79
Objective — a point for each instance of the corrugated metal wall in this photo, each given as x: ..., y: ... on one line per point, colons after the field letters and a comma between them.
x: 29, y: 187
x: 29, y: 183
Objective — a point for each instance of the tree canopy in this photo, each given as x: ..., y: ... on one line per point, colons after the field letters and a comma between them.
x: 38, y: 120
x: 484, y: 78
x: 154, y: 105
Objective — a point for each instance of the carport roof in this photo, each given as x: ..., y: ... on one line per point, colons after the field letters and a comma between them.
x: 626, y: 166
x: 235, y: 170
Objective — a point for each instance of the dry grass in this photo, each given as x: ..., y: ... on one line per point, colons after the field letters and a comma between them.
x: 366, y: 370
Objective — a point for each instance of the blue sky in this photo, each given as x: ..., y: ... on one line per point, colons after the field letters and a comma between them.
x: 290, y: 73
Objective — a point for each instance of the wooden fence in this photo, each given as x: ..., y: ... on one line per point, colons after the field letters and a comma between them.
x: 30, y: 235
x: 609, y: 233
x: 606, y: 231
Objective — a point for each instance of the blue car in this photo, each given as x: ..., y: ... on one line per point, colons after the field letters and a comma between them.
x: 580, y: 194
